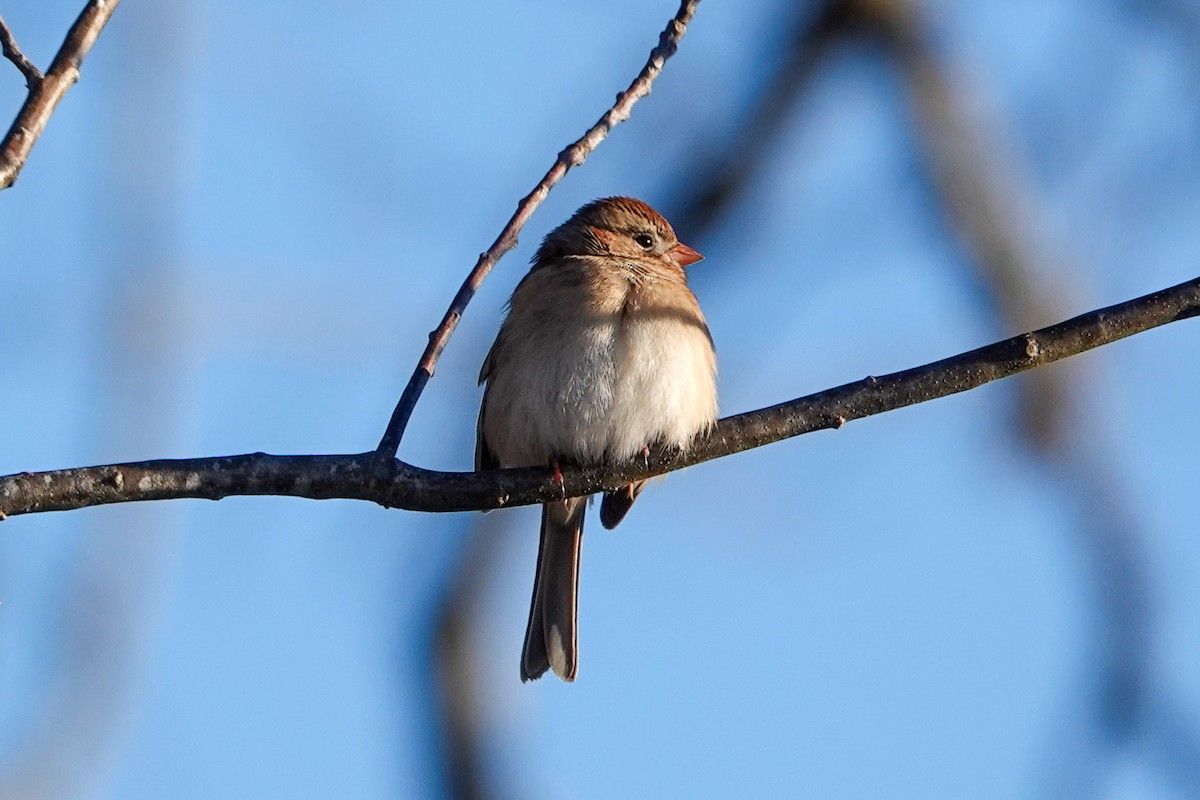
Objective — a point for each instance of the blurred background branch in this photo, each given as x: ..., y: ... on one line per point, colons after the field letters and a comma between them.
x: 459, y: 695
x: 110, y: 598
x: 986, y: 197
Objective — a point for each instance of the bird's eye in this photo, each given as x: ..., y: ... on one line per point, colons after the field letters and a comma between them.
x: 644, y: 241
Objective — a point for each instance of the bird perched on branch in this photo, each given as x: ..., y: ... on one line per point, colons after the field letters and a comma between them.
x: 603, y: 353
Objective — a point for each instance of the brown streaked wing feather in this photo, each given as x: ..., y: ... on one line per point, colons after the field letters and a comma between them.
x: 484, y: 457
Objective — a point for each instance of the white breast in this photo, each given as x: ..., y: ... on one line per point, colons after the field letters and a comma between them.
x: 666, y: 382
x: 553, y: 396
x: 591, y: 386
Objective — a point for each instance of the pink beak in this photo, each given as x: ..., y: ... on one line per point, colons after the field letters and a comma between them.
x: 683, y: 255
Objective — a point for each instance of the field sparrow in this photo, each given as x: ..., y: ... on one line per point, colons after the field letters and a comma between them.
x: 604, y: 352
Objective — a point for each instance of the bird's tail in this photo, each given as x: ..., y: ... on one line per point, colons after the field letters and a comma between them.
x: 616, y: 505
x: 550, y: 641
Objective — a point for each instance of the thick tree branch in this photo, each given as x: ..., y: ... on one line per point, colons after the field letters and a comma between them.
x: 394, y: 484
x: 572, y: 156
x: 45, y: 91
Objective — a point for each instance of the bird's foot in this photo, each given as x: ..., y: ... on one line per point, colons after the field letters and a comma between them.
x: 557, y: 476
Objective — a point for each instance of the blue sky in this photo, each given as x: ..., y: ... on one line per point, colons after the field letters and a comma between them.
x: 243, y: 221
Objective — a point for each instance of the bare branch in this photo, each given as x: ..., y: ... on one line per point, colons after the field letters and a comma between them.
x: 46, y: 92
x: 394, y: 484
x: 572, y: 156
x: 8, y: 46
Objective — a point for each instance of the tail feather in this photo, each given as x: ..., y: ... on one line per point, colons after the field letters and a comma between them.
x: 550, y: 638
x: 616, y: 505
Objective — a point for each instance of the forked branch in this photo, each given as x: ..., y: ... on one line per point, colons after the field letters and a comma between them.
x: 45, y: 91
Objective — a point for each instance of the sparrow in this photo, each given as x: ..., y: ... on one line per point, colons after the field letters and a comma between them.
x: 603, y: 353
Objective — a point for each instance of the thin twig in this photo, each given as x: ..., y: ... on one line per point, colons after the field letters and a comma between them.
x: 572, y: 156
x: 8, y: 46
x: 394, y: 484
x: 46, y: 92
